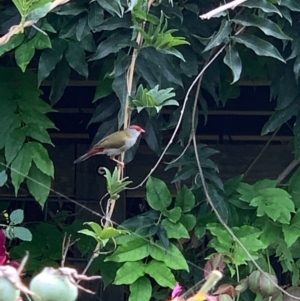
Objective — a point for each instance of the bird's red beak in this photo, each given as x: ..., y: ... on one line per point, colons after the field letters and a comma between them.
x: 142, y: 130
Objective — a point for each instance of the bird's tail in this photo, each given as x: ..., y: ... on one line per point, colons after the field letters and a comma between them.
x: 89, y: 154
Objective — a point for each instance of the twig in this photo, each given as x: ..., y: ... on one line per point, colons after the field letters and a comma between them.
x: 15, y: 29
x: 261, y: 152
x: 287, y: 171
x: 231, y: 5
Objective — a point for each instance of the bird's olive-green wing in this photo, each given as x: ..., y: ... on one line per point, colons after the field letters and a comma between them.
x: 115, y: 140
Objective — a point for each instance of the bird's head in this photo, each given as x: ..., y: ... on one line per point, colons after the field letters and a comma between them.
x: 137, y: 128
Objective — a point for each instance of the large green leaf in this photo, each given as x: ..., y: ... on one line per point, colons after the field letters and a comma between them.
x: 60, y: 80
x: 113, y: 44
x: 175, y: 230
x: 220, y: 36
x: 20, y: 166
x: 134, y: 250
x: 292, y: 231
x: 185, y: 199
x: 38, y: 184
x: 49, y: 58
x: 13, y: 144
x: 140, y: 290
x: 264, y: 5
x: 113, y: 7
x: 233, y: 61
x: 75, y: 56
x: 173, y: 258
x: 267, y: 26
x: 293, y: 5
x: 129, y: 272
x: 158, y: 195
x: 276, y: 203
x: 24, y: 54
x: 281, y: 116
x: 96, y: 15
x: 82, y: 28
x: 14, y: 41
x: 40, y: 156
x: 258, y: 45
x: 294, y: 187
x: 160, y: 273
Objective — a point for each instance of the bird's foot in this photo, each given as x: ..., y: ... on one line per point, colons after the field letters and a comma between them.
x: 120, y: 163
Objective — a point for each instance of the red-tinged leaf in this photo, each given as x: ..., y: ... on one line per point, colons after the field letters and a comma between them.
x: 216, y: 262
x: 226, y: 289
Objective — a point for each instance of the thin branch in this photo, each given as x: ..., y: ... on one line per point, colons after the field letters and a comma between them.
x: 20, y: 27
x: 287, y: 171
x: 231, y: 5
x: 261, y: 152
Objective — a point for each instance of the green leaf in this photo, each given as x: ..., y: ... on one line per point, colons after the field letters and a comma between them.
x: 20, y: 167
x: 82, y: 28
x: 24, y: 54
x: 160, y: 273
x: 129, y: 272
x: 294, y: 188
x: 175, y: 230
x: 258, y: 45
x: 96, y: 15
x: 275, y: 203
x: 188, y: 221
x: 70, y: 9
x: 49, y: 58
x: 113, y: 7
x: 13, y: 144
x: 110, y: 232
x: 234, y: 62
x: 220, y: 36
x: 3, y: 177
x: 41, y: 41
x: 88, y: 233
x: 158, y: 194
x: 113, y: 44
x: 38, y: 184
x: 264, y: 5
x: 96, y: 228
x: 185, y: 199
x: 17, y: 216
x: 293, y: 5
x: 75, y: 56
x: 61, y: 75
x: 223, y: 242
x: 134, y: 250
x: 38, y: 133
x: 292, y: 232
x: 280, y: 117
x: 40, y: 156
x: 173, y: 258
x: 39, y: 12
x: 22, y: 233
x: 265, y: 25
x: 296, y: 131
x: 173, y: 215
x: 13, y: 42
x: 104, y: 88
x: 296, y: 68
x: 140, y: 290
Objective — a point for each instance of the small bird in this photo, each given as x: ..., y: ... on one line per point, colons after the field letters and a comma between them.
x: 114, y: 144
